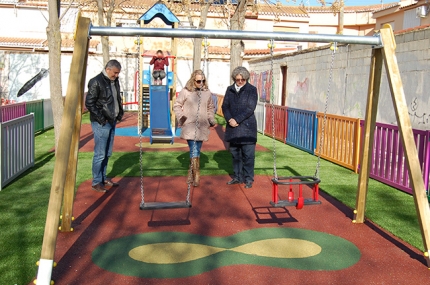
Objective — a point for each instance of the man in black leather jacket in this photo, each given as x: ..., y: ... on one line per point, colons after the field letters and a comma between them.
x: 104, y: 103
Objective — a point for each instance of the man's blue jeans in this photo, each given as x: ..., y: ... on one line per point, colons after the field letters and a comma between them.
x: 103, y: 145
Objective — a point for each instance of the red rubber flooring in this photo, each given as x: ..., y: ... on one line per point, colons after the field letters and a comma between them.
x: 221, y: 210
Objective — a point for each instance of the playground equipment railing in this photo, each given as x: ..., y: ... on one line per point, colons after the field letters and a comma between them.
x: 341, y: 143
x: 280, y: 122
x: 388, y: 160
x: 260, y: 115
x: 301, y: 129
x: 16, y: 147
x: 12, y: 111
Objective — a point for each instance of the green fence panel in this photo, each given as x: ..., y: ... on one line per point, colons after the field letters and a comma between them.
x: 36, y: 107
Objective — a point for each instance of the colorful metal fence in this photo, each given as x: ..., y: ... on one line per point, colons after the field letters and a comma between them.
x: 36, y: 107
x: 280, y: 118
x: 260, y: 115
x: 48, y: 117
x: 388, y: 160
x: 16, y: 148
x: 12, y: 111
x: 301, y: 129
x: 341, y: 140
x: 219, y: 105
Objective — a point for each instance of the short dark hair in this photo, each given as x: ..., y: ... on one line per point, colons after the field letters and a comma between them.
x: 159, y: 51
x: 113, y: 63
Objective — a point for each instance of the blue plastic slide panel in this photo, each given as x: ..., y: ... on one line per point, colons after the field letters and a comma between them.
x: 161, y: 129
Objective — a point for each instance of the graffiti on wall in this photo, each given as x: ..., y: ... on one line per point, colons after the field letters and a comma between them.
x: 302, y: 86
x: 263, y: 82
x: 421, y: 118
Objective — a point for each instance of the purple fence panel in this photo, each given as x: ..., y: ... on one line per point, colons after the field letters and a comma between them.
x: 12, y: 111
x: 388, y: 160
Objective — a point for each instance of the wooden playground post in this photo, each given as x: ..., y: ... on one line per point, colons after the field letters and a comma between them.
x: 405, y: 130
x: 75, y: 85
x: 369, y: 129
x: 69, y: 188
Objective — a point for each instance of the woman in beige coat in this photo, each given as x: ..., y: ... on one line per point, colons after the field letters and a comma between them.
x: 194, y: 110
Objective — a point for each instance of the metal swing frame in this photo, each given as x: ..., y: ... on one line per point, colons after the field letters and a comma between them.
x: 312, y: 181
x: 383, y: 55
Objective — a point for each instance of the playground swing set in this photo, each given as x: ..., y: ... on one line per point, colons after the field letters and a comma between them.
x: 301, y: 181
x: 383, y: 52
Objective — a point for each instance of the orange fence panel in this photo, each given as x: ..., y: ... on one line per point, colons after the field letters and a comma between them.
x: 219, y: 105
x: 341, y: 140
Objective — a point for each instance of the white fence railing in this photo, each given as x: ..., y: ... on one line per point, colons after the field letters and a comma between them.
x: 260, y: 115
x: 48, y: 117
x: 16, y: 148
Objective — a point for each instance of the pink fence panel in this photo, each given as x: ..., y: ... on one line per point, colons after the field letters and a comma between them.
x: 12, y: 111
x: 388, y: 160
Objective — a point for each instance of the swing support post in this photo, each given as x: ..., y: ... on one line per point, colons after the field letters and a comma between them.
x: 65, y: 151
x: 386, y: 55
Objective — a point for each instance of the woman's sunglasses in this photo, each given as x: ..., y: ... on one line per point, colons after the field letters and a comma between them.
x: 240, y: 80
x: 200, y: 81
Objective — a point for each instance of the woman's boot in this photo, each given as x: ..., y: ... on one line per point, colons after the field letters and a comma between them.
x: 196, y: 171
x: 190, y: 172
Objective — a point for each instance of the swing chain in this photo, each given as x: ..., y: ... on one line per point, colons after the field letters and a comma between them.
x: 333, y: 47
x: 272, y: 99
x: 205, y: 53
x: 139, y: 93
x: 194, y: 149
x: 199, y: 95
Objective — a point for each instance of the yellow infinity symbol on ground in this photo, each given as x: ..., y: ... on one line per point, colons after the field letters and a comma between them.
x: 169, y: 253
x: 179, y: 254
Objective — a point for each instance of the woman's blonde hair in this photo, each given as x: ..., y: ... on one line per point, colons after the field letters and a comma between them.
x: 190, y: 84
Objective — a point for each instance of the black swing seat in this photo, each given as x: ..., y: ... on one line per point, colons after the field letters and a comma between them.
x: 303, y: 180
x: 296, y: 180
x: 164, y: 205
x: 286, y: 203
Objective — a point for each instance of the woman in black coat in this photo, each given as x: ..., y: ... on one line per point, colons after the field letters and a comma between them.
x: 241, y: 132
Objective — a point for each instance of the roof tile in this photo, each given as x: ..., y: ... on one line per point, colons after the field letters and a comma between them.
x: 38, y: 43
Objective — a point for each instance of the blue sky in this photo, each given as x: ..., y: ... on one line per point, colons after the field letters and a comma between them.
x: 347, y: 2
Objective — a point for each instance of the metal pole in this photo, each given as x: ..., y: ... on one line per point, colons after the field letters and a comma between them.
x: 239, y: 35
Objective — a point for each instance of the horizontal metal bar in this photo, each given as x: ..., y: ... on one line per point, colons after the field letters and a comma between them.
x: 229, y: 34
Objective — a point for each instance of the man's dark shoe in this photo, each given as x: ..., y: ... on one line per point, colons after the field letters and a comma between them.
x: 99, y: 188
x: 233, y: 181
x: 248, y: 185
x: 110, y: 183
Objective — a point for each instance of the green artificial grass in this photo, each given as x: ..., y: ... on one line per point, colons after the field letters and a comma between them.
x: 23, y: 203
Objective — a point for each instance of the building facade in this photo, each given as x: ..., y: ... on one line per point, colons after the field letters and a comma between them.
x: 23, y: 45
